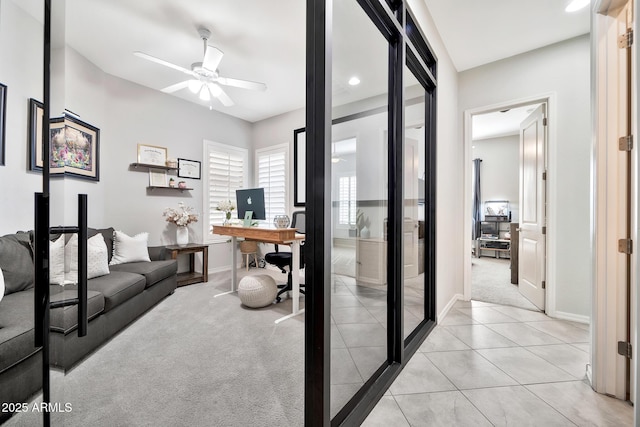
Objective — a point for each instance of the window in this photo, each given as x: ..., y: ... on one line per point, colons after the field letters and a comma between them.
x: 272, y: 166
x: 347, y: 200
x: 224, y: 172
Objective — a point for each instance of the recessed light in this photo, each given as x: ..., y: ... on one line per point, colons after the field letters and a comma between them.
x: 354, y: 81
x: 576, y: 5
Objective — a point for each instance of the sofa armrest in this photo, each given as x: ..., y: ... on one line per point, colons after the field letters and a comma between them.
x: 157, y: 253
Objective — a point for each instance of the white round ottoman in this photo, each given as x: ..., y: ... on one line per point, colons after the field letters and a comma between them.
x: 257, y: 291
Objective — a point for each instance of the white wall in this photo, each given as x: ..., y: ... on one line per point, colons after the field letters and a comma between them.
x: 450, y: 190
x: 562, y: 69
x: 20, y: 43
x: 499, y: 171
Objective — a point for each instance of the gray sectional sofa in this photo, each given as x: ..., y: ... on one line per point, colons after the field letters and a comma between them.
x: 114, y: 301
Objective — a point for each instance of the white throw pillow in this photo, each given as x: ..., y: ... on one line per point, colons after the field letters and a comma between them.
x: 129, y: 249
x: 1, y: 285
x: 56, y: 261
x: 97, y: 258
x: 73, y: 242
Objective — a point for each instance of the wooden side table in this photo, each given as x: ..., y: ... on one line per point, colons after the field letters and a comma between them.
x: 191, y: 276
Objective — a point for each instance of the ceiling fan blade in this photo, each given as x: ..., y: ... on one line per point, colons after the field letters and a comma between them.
x: 176, y: 87
x: 212, y: 58
x: 224, y: 98
x: 244, y: 84
x: 162, y: 62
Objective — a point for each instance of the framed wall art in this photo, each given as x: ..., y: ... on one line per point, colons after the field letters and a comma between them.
x: 189, y: 169
x: 299, y: 142
x: 3, y: 115
x: 74, y: 145
x: 152, y: 155
x: 157, y: 177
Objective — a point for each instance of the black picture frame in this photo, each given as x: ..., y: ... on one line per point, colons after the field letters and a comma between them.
x: 299, y: 148
x: 3, y: 116
x: 189, y: 169
x: 80, y: 140
x: 90, y: 135
x: 36, y: 114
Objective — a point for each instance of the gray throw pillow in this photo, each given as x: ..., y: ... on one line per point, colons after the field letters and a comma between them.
x: 16, y: 262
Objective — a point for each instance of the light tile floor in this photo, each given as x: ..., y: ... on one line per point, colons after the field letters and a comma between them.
x: 358, y: 331
x: 487, y: 364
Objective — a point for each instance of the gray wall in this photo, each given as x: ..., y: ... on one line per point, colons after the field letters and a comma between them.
x: 561, y: 69
x: 20, y: 43
x: 499, y: 170
x: 128, y: 114
x: 450, y: 163
x: 274, y: 131
x: 131, y: 114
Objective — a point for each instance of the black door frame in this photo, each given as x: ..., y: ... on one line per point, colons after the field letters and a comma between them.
x: 407, y: 45
x: 41, y: 226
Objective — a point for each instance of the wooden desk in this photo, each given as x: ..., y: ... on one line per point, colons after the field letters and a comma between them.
x: 281, y: 236
x: 191, y: 249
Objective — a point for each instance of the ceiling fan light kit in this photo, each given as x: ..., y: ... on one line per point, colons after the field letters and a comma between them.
x: 205, y: 79
x: 576, y: 5
x: 204, y: 94
x: 194, y: 85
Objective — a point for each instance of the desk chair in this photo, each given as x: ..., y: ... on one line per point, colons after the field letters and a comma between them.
x: 283, y: 259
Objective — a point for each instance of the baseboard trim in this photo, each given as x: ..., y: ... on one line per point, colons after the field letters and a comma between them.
x: 579, y: 318
x: 219, y: 270
x: 344, y: 242
x: 455, y: 298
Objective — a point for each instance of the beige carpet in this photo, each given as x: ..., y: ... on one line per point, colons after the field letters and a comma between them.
x: 491, y: 282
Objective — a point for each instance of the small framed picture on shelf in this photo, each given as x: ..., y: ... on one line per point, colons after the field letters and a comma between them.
x: 189, y: 169
x: 152, y: 155
x: 157, y: 177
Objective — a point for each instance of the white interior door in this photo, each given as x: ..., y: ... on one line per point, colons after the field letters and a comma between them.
x: 532, y: 243
x: 410, y: 224
x: 613, y: 373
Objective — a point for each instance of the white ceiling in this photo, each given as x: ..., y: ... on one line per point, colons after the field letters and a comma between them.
x: 264, y: 41
x: 499, y: 123
x: 260, y: 43
x: 477, y: 32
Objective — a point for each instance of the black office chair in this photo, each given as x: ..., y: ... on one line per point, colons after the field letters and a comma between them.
x: 283, y: 259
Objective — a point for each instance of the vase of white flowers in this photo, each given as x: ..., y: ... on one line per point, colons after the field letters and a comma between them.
x: 226, y: 206
x: 181, y: 217
x: 182, y: 235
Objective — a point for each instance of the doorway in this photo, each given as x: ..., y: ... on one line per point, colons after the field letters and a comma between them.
x: 498, y: 185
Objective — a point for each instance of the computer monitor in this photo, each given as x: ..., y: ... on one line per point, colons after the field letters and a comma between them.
x: 251, y: 199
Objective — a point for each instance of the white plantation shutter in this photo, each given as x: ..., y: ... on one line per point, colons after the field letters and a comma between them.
x: 224, y: 172
x: 347, y: 200
x: 272, y: 166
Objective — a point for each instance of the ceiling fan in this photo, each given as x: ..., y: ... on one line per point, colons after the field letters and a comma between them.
x: 205, y: 79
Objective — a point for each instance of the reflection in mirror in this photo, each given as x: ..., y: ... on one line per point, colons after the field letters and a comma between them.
x: 21, y: 72
x: 358, y: 203
x: 413, y: 236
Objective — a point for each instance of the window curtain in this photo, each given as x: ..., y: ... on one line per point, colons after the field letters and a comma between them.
x: 477, y: 204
